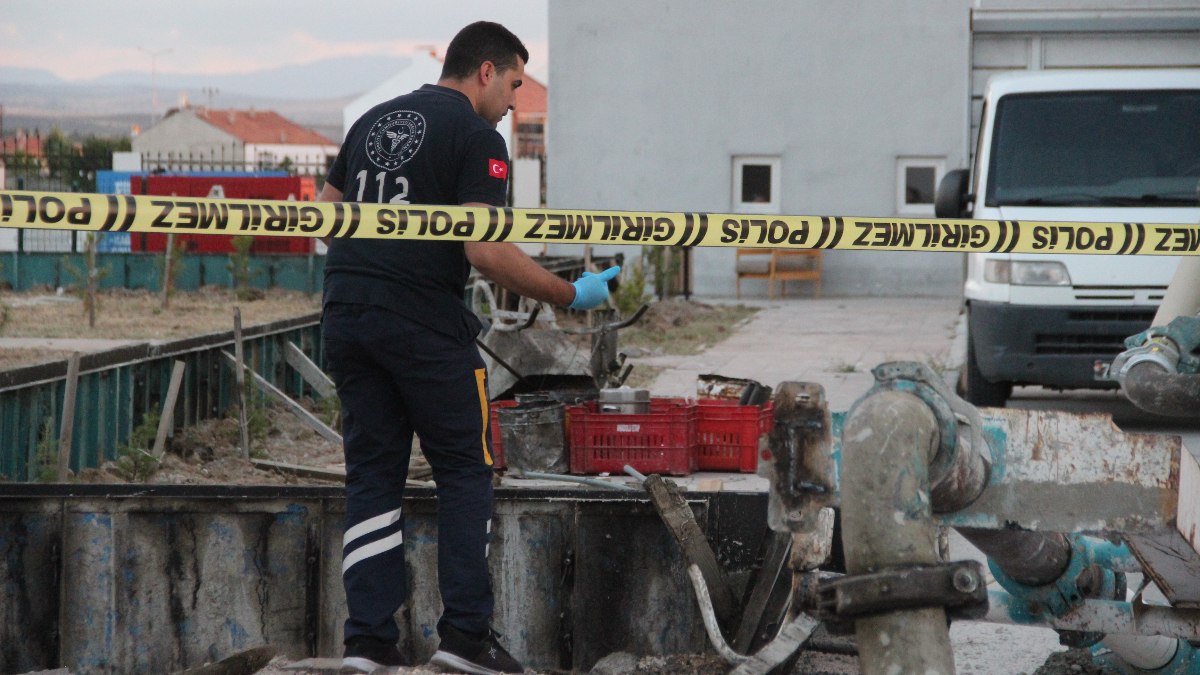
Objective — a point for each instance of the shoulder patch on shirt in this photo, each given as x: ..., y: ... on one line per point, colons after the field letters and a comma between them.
x: 497, y: 168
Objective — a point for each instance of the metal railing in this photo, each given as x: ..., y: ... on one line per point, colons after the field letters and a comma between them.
x: 117, y: 389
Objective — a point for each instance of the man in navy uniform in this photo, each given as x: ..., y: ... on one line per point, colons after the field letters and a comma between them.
x: 399, y: 342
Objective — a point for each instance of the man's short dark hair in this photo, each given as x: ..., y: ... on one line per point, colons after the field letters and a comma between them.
x: 479, y: 42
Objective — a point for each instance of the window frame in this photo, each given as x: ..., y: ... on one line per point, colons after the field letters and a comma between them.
x: 903, y: 163
x: 769, y: 207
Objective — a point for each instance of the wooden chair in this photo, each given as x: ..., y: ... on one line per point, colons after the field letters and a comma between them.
x: 782, y: 265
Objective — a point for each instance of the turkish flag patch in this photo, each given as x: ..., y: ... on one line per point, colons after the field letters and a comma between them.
x: 497, y: 168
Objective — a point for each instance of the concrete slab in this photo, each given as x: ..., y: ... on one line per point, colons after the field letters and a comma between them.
x: 834, y: 342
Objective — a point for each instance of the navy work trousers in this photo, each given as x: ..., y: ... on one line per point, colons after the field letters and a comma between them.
x: 395, y: 377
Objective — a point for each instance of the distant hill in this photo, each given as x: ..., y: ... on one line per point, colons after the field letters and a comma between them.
x: 310, y: 94
x: 329, y: 78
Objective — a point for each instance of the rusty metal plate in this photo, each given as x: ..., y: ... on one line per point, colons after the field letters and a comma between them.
x: 1072, y: 472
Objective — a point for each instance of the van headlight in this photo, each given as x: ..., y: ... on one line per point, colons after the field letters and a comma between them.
x: 1026, y: 273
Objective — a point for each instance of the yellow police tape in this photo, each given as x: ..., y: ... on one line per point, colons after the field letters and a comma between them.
x: 185, y: 215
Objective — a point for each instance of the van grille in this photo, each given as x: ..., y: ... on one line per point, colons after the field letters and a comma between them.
x: 1095, y: 345
x: 1142, y: 316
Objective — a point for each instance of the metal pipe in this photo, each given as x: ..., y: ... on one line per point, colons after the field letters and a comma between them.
x: 889, y: 440
x: 1032, y: 558
x: 596, y: 482
x: 1112, y: 617
x: 1145, y: 652
x: 956, y: 484
x: 1153, y: 384
x: 1156, y: 390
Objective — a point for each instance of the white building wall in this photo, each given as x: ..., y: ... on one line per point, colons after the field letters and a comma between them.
x: 652, y: 101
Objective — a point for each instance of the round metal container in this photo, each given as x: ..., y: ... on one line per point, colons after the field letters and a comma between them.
x: 625, y: 401
x: 534, y: 397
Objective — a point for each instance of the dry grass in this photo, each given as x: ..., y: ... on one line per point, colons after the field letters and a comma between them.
x: 685, y: 327
x: 129, y: 315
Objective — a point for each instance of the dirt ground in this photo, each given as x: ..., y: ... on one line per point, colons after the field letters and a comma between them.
x: 209, y: 453
x: 810, y: 662
x: 134, y: 315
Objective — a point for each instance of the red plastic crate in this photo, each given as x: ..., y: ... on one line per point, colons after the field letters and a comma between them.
x: 662, y: 441
x: 727, y: 434
x: 497, y: 438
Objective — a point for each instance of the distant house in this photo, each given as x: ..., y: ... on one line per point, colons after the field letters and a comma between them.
x: 201, y: 139
x: 21, y: 143
x: 529, y: 120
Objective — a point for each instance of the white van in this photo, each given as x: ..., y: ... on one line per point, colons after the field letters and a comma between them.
x: 1117, y: 146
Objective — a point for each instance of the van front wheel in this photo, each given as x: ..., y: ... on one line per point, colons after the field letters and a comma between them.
x: 977, y: 389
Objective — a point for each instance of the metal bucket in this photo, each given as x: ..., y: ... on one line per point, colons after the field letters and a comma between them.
x: 625, y: 401
x: 534, y: 436
x: 534, y: 397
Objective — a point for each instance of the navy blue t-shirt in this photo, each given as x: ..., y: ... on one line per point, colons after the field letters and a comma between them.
x: 426, y: 147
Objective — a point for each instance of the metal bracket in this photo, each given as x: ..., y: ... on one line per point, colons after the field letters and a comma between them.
x: 959, y: 587
x: 1184, y: 335
x: 799, y: 460
x: 950, y: 411
x: 1064, y: 594
x: 1159, y: 350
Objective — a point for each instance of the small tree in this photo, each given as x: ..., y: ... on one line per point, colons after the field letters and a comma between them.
x: 87, y: 278
x: 170, y: 265
x: 134, y: 461
x: 239, y: 268
x: 631, y: 294
x: 664, y: 263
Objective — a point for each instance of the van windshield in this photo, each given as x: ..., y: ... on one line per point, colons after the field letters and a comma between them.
x: 1096, y: 148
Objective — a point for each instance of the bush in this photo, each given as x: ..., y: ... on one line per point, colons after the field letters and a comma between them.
x: 631, y: 294
x: 134, y: 461
x: 239, y: 268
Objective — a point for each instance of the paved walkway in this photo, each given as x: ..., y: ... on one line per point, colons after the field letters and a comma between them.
x: 833, y: 342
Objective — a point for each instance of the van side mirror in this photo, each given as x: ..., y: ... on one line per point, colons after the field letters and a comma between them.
x: 950, y: 198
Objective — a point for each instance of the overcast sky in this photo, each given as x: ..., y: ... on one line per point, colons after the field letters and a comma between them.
x: 79, y: 39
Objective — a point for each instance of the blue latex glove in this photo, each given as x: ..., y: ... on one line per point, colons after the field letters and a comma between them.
x: 591, y: 290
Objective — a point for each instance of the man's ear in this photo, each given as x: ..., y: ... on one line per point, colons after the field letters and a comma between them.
x: 487, y: 71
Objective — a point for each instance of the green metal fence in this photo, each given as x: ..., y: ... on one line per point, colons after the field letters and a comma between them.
x: 25, y: 270
x: 116, y: 389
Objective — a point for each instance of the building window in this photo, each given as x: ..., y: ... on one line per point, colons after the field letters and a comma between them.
x: 531, y: 135
x: 916, y: 182
x: 756, y: 184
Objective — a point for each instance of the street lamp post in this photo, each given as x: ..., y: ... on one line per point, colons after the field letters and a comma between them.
x: 154, y: 78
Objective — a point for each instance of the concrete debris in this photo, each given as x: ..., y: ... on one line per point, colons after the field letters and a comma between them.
x: 245, y: 662
x: 617, y: 663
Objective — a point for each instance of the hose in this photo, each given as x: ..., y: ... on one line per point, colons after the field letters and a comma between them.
x: 1151, y: 388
